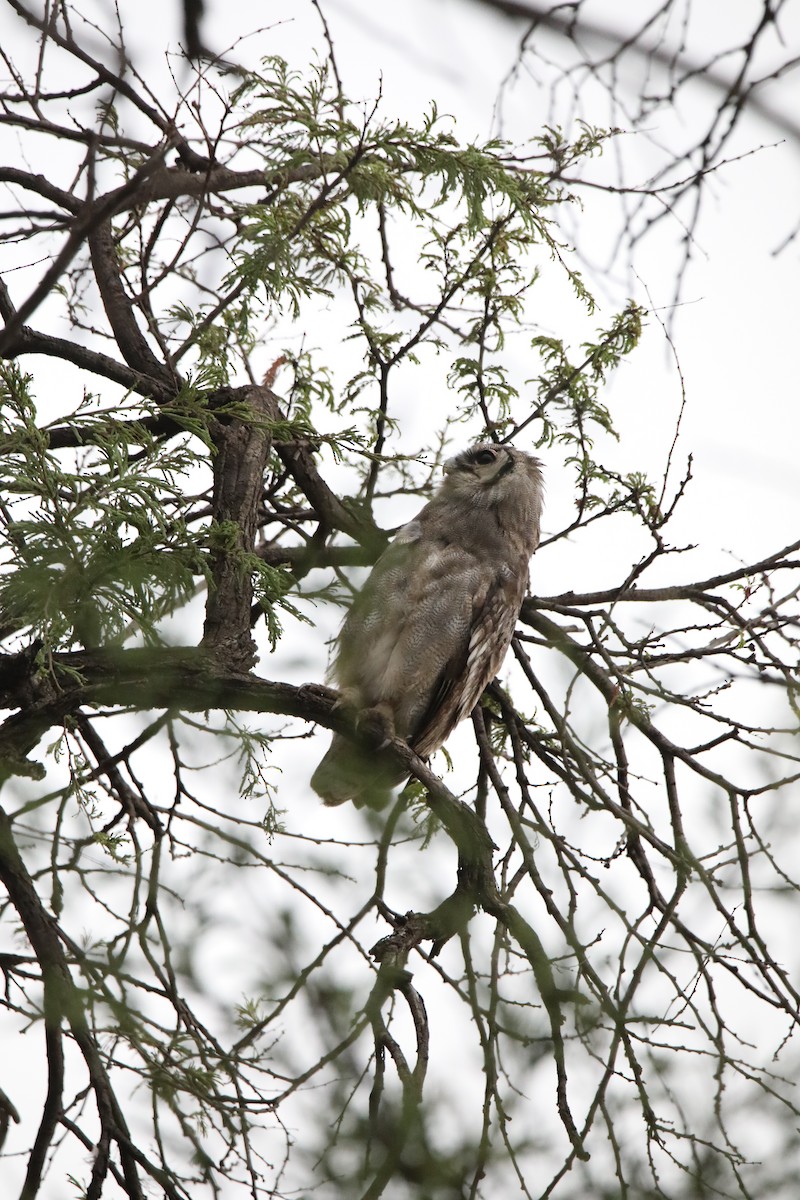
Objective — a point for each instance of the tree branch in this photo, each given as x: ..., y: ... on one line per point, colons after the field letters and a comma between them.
x: 242, y: 448
x: 91, y: 217
x: 62, y: 1001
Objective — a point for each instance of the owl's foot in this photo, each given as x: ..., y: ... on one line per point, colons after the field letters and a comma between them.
x: 381, y: 718
x: 347, y: 698
x: 317, y: 691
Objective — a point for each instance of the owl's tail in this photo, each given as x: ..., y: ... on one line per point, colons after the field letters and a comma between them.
x: 348, y: 772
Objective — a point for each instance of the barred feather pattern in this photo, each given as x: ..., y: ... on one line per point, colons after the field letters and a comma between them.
x: 432, y: 624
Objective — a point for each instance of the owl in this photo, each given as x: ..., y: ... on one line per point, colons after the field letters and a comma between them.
x: 433, y: 621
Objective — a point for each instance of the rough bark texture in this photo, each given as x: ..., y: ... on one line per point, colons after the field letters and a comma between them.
x: 241, y: 451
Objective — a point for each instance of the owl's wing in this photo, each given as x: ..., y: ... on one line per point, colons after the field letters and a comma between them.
x: 474, y: 662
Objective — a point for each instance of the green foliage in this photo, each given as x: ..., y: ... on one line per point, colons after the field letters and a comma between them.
x: 573, y: 388
x: 271, y: 586
x: 96, y: 552
x: 216, y: 336
x: 572, y: 409
x: 481, y: 222
x: 253, y: 749
x: 565, y: 153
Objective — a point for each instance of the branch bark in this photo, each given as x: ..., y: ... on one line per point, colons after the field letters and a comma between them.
x: 241, y: 451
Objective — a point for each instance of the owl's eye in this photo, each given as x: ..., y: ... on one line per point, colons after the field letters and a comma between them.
x: 484, y: 457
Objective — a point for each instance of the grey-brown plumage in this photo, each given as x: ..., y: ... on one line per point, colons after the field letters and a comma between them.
x: 432, y: 623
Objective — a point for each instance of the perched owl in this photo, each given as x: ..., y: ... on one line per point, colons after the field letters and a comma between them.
x: 434, y: 619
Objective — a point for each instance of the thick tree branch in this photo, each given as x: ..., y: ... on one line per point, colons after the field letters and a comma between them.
x: 31, y: 341
x: 119, y: 310
x: 241, y: 451
x: 41, y: 186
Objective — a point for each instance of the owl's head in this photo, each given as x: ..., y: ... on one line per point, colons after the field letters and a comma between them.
x: 496, y: 472
x: 502, y: 478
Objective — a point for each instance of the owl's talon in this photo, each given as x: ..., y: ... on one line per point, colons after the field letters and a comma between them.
x: 382, y: 716
x: 316, y: 691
